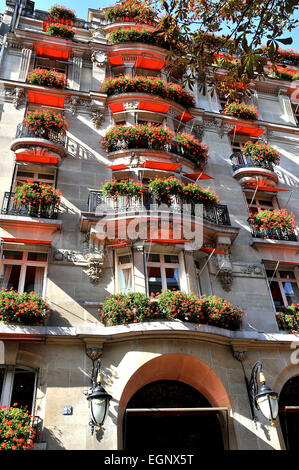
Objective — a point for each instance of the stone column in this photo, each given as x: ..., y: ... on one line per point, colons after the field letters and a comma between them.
x: 286, y: 106
x: 76, y: 72
x: 24, y: 64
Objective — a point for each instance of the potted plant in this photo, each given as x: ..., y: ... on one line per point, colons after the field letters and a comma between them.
x: 26, y: 309
x: 60, y: 30
x: 45, y: 123
x: 117, y: 188
x: 41, y: 199
x: 60, y: 13
x: 49, y: 78
x: 194, y: 194
x: 135, y: 35
x: 288, y: 318
x: 276, y: 221
x: 241, y: 110
x: 165, y: 188
x: 16, y: 432
x: 261, y: 153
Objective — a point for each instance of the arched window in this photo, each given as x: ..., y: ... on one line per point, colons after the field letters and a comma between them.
x: 289, y: 413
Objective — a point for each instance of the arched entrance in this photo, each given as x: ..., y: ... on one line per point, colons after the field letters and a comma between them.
x: 168, y: 414
x: 289, y: 413
x: 207, y: 392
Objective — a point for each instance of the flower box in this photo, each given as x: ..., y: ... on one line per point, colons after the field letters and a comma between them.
x: 129, y: 188
x: 16, y: 432
x: 261, y: 153
x: 194, y: 194
x: 45, y: 123
x: 42, y: 200
x: 60, y: 30
x: 26, y: 309
x: 137, y: 13
x: 278, y: 220
x: 60, y: 13
x: 241, y: 110
x: 149, y: 85
x: 120, y: 36
x: 48, y: 78
x: 288, y: 318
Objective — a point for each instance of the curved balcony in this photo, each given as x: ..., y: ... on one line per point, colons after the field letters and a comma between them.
x: 273, y: 234
x: 30, y: 147
x: 10, y: 207
x: 245, y: 169
x: 143, y: 56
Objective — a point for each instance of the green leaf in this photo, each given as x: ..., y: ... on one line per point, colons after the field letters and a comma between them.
x: 285, y: 40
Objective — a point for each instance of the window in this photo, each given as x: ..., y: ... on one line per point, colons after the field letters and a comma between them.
x: 238, y: 141
x: 198, y: 270
x: 125, y: 273
x: 283, y: 285
x: 18, y: 386
x: 259, y: 203
x: 34, y: 173
x: 162, y: 272
x: 295, y: 107
x: 46, y: 63
x: 24, y: 271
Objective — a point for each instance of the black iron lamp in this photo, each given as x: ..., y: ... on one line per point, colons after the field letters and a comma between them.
x: 262, y: 397
x: 98, y: 399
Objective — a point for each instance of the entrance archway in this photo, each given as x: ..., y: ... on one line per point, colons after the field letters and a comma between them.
x: 185, y: 369
x: 289, y: 413
x: 168, y: 414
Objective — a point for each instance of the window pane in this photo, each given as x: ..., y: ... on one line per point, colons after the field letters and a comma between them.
x: 291, y: 291
x: 287, y: 274
x: 7, y: 254
x: 32, y: 256
x: 34, y: 280
x: 172, y: 278
x: 23, y: 388
x: 154, y: 279
x: 126, y: 282
x: 154, y: 257
x: 124, y: 259
x: 2, y: 374
x: 276, y: 295
x: 10, y: 276
x: 171, y: 259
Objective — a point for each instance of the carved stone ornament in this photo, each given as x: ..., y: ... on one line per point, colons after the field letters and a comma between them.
x: 94, y: 353
x: 252, y: 269
x: 95, y: 266
x: 67, y: 256
x: 97, y: 118
x: 224, y: 271
x: 71, y: 103
x: 99, y: 58
x: 128, y: 105
x: 98, y: 33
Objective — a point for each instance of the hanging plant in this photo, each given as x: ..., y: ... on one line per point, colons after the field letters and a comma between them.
x: 49, y: 78
x: 288, y: 318
x: 16, y: 432
x: 194, y: 194
x: 60, y: 30
x: 278, y: 220
x: 150, y: 85
x: 260, y: 153
x: 241, y: 110
x: 60, y: 12
x: 44, y: 123
x: 26, y: 309
x: 144, y: 36
x: 40, y: 198
x: 129, y: 188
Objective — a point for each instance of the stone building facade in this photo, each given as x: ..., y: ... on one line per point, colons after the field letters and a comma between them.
x: 69, y: 265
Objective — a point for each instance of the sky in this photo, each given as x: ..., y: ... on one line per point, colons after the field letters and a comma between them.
x: 81, y: 9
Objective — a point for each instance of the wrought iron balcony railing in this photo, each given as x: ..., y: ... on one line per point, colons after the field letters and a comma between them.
x: 99, y: 204
x: 56, y: 138
x: 44, y: 16
x: 239, y: 160
x: 11, y: 207
x: 273, y: 234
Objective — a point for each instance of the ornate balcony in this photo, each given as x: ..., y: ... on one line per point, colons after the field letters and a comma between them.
x: 44, y: 16
x: 9, y: 207
x: 273, y: 234
x: 47, y: 148
x: 245, y: 169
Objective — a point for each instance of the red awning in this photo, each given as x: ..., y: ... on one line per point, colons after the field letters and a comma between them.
x: 116, y: 60
x: 45, y: 160
x: 116, y: 107
x: 158, y: 240
x: 266, y: 188
x: 49, y: 100
x: 279, y: 261
x: 251, y: 131
x: 26, y: 241
x: 155, y: 107
x: 160, y: 165
x: 150, y: 64
x: 121, y: 166
x: 212, y: 250
x: 118, y: 244
x: 184, y: 117
x: 200, y: 176
x: 51, y: 52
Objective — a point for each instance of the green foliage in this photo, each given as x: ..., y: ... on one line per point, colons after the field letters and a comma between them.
x: 26, y: 309
x: 16, y: 433
x: 288, y: 318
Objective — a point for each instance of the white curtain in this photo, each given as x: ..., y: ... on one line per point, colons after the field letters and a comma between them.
x: 7, y: 272
x: 38, y: 281
x: 126, y: 280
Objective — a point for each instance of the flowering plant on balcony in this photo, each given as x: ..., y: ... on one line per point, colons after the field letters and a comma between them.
x: 192, y: 149
x: 61, y: 12
x: 283, y: 75
x: 50, y: 78
x: 134, y: 12
x: 241, y: 110
x: 130, y: 188
x: 288, y: 318
x: 151, y: 85
x: 60, y: 30
x: 289, y: 56
x: 27, y: 308
x: 119, y: 309
x: 278, y: 220
x: 16, y: 433
x: 164, y: 188
x: 135, y: 35
x: 260, y: 153
x: 41, y: 198
x: 44, y: 123
x: 194, y: 194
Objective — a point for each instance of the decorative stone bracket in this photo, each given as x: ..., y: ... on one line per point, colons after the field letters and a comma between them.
x: 224, y: 264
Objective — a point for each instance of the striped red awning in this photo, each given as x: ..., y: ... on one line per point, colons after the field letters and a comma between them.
x: 160, y: 165
x: 200, y: 176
